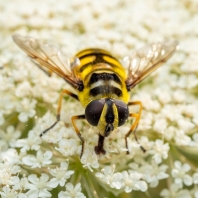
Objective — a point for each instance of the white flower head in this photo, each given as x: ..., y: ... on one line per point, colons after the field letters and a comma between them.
x: 67, y: 147
x: 38, y: 187
x: 10, y: 156
x: 180, y: 174
x: 10, y: 136
x: 61, y: 174
x: 19, y: 183
x: 5, y: 177
x: 26, y: 109
x: 116, y: 181
x: 71, y: 191
x: 159, y: 151
x: 90, y: 159
x: 132, y: 181
x: 153, y: 173
x: 185, y: 125
x: 175, y: 191
x: 133, y: 147
x: 144, y: 141
x: 32, y: 142
x: 181, y: 138
x: 170, y: 133
x: 6, y: 173
x: 23, y: 89
x: 107, y: 175
x: 55, y: 135
x: 160, y: 125
x: 8, y: 192
x: 41, y: 159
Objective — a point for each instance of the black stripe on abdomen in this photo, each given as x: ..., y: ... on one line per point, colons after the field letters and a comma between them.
x: 95, y: 77
x: 99, y: 58
x: 104, y: 90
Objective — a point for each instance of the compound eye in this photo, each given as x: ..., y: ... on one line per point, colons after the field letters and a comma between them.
x: 93, y: 111
x: 123, y: 111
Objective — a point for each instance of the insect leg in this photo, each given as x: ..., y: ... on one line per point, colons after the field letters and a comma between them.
x: 134, y: 125
x: 63, y: 92
x: 99, y: 149
x: 74, y: 118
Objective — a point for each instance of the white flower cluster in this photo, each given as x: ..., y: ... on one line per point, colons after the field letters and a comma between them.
x: 181, y: 175
x: 31, y: 166
x: 30, y: 186
x: 127, y: 180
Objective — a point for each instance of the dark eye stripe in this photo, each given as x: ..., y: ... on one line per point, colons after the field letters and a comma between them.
x: 109, y: 117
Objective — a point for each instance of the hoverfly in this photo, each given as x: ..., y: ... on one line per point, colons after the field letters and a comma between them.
x: 103, y: 85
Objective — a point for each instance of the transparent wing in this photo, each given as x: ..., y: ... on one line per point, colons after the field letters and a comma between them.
x: 144, y: 61
x: 48, y: 57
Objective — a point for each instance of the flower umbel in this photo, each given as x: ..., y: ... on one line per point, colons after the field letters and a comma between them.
x: 50, y: 166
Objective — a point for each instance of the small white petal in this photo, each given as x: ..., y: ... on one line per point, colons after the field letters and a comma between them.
x: 188, y: 180
x: 177, y: 164
x: 195, y: 178
x: 33, y: 178
x: 186, y: 167
x: 53, y: 183
x: 23, y: 117
x: 165, y: 193
x: 178, y: 181
x: 44, y: 193
x: 44, y: 177
x: 174, y: 172
x: 32, y: 193
x: 162, y: 175
x: 154, y: 183
x: 196, y: 194
x: 142, y: 186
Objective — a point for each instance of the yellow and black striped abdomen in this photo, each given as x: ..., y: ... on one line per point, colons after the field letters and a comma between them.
x: 92, y: 60
x: 103, y: 76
